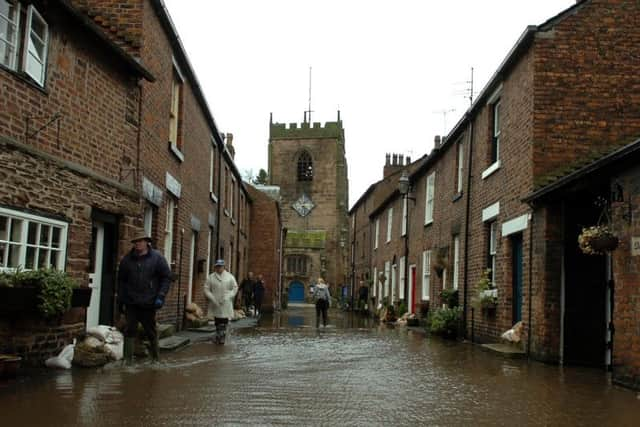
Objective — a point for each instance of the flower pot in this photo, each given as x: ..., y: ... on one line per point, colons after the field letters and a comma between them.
x: 81, y: 297
x: 604, y: 243
x: 18, y: 300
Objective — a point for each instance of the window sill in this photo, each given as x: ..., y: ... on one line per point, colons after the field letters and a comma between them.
x: 213, y: 197
x: 457, y: 197
x: 233, y: 221
x: 176, y: 151
x: 491, y: 169
x: 24, y: 78
x: 226, y: 212
x: 428, y: 223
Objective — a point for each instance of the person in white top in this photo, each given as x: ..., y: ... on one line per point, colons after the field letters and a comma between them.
x: 220, y: 289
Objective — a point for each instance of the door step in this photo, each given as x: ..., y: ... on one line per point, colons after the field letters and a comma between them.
x: 506, y: 350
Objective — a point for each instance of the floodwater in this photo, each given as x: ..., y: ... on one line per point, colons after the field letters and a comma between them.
x: 352, y: 373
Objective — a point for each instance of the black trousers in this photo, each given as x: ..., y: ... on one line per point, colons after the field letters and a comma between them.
x: 322, y: 305
x: 146, y: 316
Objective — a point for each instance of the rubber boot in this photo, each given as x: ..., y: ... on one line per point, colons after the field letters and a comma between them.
x: 154, y: 350
x: 128, y: 349
x: 221, y: 333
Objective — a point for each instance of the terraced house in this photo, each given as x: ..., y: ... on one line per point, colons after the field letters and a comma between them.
x: 511, y: 187
x: 106, y: 133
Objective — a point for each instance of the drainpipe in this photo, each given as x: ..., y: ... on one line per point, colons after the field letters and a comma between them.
x: 220, y: 149
x: 353, y: 257
x: 465, y: 296
x: 139, y: 135
x: 530, y: 280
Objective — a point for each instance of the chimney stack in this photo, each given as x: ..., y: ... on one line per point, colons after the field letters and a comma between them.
x: 393, y: 163
x: 229, y: 144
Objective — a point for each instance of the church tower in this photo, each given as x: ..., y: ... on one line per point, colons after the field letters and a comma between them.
x: 308, y: 163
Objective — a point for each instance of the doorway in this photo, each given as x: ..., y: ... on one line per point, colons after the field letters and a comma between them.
x: 584, y: 338
x: 516, y: 279
x: 296, y: 292
x: 102, y: 269
x: 412, y: 288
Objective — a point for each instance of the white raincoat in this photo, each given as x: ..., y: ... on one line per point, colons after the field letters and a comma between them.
x: 220, y: 290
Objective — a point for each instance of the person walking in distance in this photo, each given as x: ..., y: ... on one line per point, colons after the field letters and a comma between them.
x: 258, y: 294
x: 323, y: 302
x: 144, y: 279
x: 247, y: 291
x: 220, y: 289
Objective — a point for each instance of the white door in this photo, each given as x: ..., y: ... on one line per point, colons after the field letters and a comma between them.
x: 95, y: 277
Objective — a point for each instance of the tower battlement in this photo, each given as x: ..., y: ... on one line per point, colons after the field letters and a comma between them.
x: 307, y: 130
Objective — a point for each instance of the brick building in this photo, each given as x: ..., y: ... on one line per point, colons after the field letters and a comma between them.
x: 267, y: 238
x: 555, y: 104
x: 314, y: 197
x: 106, y: 133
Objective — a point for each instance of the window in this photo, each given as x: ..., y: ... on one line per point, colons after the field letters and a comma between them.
x: 493, y: 243
x: 210, y: 251
x: 175, y: 114
x: 305, y: 167
x: 495, y: 132
x: 232, y: 193
x: 31, y: 57
x: 394, y: 274
x: 429, y: 196
x: 375, y: 239
x: 460, y: 160
x: 297, y: 264
x: 426, y: 275
x: 149, y: 219
x: 405, y: 206
x: 31, y: 242
x: 456, y: 260
x: 168, y: 229
x: 226, y: 190
x: 389, y: 223
x: 402, y: 278
x: 212, y: 171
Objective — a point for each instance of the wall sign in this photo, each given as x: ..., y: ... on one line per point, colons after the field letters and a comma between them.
x: 635, y: 246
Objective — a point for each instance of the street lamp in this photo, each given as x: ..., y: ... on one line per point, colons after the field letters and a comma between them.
x: 404, y: 187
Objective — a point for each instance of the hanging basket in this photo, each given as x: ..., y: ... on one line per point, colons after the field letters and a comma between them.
x: 597, y: 240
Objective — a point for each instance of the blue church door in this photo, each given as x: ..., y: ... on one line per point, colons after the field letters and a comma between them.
x: 296, y: 292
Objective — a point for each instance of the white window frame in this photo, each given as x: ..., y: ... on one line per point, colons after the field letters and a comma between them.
x: 168, y: 229
x: 15, y: 35
x: 22, y: 241
x: 402, y: 279
x: 426, y: 275
x: 405, y: 206
x: 387, y: 273
x: 212, y: 170
x: 375, y: 239
x: 232, y: 191
x: 177, y: 88
x: 456, y: 261
x: 460, y: 165
x: 209, y: 238
x: 493, y: 243
x: 429, y: 198
x: 28, y: 46
x: 375, y: 282
x: 389, y: 223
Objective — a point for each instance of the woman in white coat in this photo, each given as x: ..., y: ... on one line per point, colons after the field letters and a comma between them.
x: 220, y: 289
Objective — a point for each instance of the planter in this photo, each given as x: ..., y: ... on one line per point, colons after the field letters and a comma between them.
x: 18, y: 299
x: 81, y: 297
x: 604, y: 243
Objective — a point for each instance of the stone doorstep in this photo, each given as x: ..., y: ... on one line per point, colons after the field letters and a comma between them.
x: 506, y: 350
x: 173, y: 342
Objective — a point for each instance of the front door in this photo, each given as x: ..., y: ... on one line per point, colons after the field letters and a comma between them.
x: 296, y: 292
x: 412, y: 289
x: 516, y: 268
x: 95, y: 276
x: 102, y: 270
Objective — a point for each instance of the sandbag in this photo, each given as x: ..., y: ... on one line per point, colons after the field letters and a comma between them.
x: 62, y: 360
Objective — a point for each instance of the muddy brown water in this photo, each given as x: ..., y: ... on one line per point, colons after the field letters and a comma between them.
x: 352, y: 373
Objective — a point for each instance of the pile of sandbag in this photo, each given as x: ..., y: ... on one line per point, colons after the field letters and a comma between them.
x: 238, y: 314
x: 101, y: 345
x: 195, y: 316
x: 62, y: 360
x: 514, y: 335
x: 407, y: 318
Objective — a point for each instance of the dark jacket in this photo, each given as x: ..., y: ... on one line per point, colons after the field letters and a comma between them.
x: 143, y: 278
x: 258, y: 291
x: 247, y: 288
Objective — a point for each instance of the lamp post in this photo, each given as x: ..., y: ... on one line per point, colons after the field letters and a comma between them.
x: 404, y: 187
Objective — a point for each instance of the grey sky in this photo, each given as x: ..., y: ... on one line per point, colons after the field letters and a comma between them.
x: 392, y: 67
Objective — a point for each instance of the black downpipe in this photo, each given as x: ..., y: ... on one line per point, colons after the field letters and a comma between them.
x: 178, y: 317
x: 219, y: 195
x: 530, y: 282
x: 353, y: 258
x: 465, y: 296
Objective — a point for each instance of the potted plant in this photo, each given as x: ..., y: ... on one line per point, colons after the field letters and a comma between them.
x: 486, y: 298
x: 445, y: 322
x: 597, y: 240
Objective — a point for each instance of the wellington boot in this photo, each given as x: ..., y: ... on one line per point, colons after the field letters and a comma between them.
x: 154, y: 350
x: 127, y: 351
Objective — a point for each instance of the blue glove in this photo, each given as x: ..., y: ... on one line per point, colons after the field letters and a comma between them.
x: 159, y: 302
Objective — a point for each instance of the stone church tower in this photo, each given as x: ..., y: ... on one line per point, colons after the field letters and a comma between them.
x: 307, y: 161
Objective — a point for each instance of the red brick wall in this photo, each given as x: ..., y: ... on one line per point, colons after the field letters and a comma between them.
x: 264, y: 252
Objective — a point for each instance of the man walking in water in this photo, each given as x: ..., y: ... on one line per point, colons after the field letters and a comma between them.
x: 220, y: 289
x: 144, y: 279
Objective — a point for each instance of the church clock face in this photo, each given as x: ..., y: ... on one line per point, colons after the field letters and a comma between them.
x: 303, y: 205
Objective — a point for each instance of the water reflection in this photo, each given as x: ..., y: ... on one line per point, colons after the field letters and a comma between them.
x: 354, y: 372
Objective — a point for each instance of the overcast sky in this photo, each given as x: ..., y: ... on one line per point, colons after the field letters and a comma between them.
x: 397, y: 70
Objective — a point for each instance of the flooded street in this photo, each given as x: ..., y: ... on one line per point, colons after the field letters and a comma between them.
x: 354, y: 372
